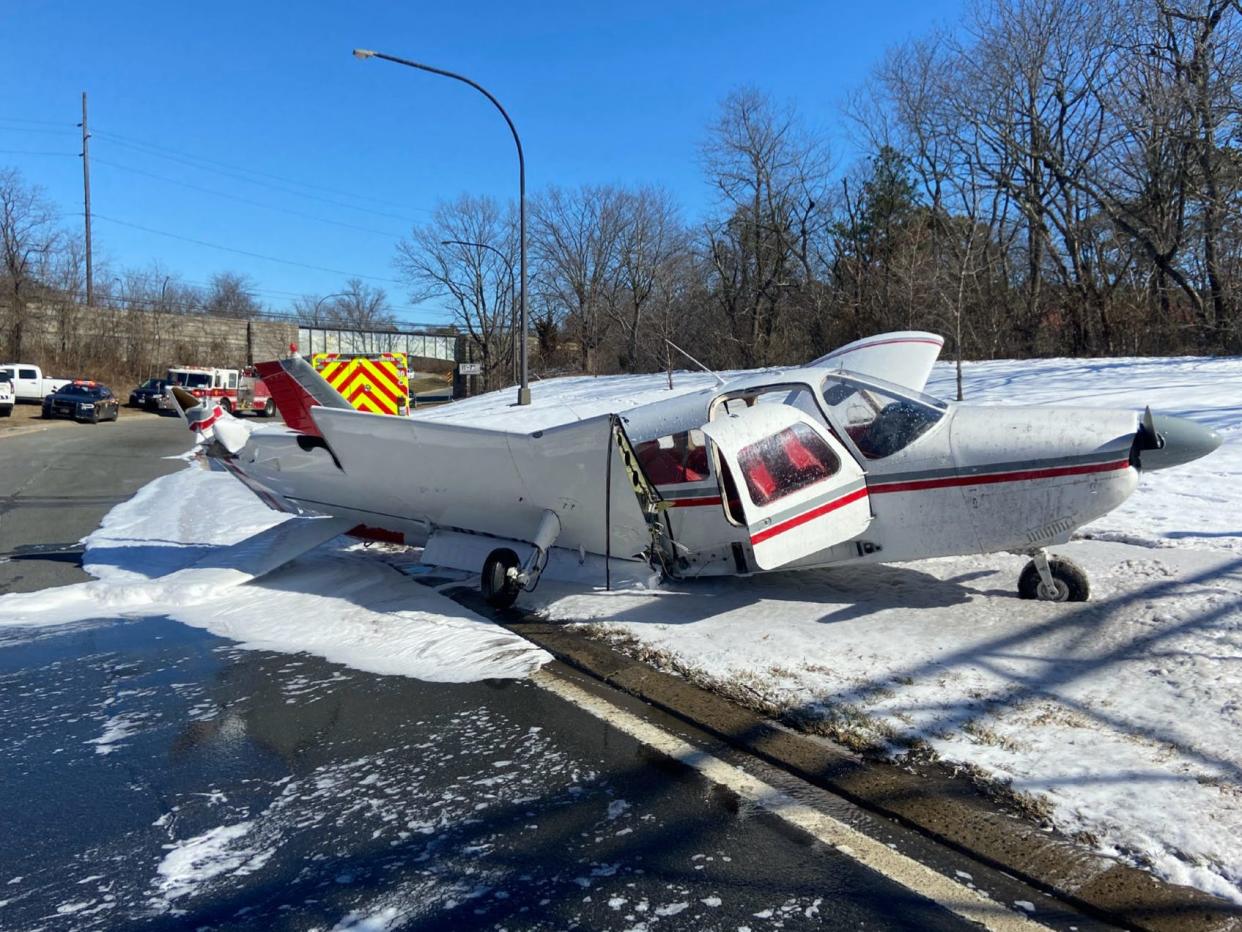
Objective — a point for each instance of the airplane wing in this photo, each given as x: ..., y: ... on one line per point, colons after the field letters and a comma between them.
x: 499, y: 483
x: 903, y: 357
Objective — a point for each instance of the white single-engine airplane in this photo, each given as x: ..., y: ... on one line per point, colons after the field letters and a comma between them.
x: 843, y: 460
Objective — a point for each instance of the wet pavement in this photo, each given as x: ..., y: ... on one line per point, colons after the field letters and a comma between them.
x: 155, y: 776
x: 159, y: 777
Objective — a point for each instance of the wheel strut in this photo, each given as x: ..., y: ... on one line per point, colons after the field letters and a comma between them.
x: 1046, y: 582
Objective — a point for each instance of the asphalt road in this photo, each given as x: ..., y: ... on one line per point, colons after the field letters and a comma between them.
x: 57, y: 482
x: 156, y: 776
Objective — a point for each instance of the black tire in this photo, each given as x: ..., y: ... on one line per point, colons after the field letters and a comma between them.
x: 499, y: 588
x: 269, y: 409
x: 6, y: 412
x: 1070, y: 581
x: 226, y: 405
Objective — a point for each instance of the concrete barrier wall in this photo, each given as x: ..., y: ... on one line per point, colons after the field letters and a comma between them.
x: 146, y: 338
x: 149, y: 340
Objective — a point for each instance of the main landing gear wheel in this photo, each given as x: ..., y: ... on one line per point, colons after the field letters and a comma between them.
x: 500, y: 583
x: 1066, y: 581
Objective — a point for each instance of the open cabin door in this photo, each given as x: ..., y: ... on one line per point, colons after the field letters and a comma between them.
x: 794, y: 487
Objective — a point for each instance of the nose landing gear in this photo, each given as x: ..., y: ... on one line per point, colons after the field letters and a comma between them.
x: 1053, y: 580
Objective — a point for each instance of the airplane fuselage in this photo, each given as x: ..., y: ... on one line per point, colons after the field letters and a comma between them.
x: 973, y: 480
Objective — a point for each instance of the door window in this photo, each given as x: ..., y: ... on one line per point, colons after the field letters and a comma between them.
x: 27, y: 374
x: 785, y: 462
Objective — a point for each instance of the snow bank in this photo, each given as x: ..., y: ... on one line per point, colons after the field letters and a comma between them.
x: 164, y: 552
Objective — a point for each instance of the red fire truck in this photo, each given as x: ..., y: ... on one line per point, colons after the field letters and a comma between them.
x: 235, y: 390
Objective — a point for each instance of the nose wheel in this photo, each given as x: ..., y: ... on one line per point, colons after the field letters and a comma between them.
x: 1053, y: 580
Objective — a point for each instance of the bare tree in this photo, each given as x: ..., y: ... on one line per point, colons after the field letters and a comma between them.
x: 577, y: 234
x: 650, y: 250
x: 361, y: 307
x: 466, y: 256
x: 770, y: 175
x: 28, y: 239
x: 231, y: 295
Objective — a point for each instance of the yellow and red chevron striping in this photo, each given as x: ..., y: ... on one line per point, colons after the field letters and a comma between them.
x: 374, y: 384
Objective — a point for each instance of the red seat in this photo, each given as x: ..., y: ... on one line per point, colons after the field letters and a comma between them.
x: 663, y: 467
x: 697, y: 462
x: 803, y: 459
x: 759, y: 480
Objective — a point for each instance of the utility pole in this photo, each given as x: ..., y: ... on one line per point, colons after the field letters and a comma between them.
x: 86, y: 196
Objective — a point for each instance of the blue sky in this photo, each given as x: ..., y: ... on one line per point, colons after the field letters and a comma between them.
x: 183, y: 95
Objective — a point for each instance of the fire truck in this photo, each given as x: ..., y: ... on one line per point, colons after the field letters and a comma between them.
x: 235, y: 390
x: 377, y: 383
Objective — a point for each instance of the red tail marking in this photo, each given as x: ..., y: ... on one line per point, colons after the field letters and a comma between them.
x: 291, y: 399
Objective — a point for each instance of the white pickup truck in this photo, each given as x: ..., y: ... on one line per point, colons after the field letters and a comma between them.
x: 29, y: 383
x: 6, y: 394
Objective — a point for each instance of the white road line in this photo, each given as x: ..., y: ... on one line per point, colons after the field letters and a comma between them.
x: 969, y: 904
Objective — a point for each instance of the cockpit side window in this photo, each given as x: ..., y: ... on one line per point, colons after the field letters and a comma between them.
x: 676, y: 459
x: 879, y: 422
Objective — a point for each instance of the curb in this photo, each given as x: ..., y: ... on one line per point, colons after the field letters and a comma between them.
x: 945, y: 808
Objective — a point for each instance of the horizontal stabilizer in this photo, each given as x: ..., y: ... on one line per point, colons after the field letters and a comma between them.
x: 209, y: 421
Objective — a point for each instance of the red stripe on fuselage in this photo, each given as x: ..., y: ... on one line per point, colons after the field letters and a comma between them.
x: 799, y: 520
x: 692, y: 502
x: 1018, y: 475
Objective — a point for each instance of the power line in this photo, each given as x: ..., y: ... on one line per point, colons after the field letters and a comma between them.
x: 237, y: 175
x: 33, y: 129
x: 244, y: 252
x: 196, y: 307
x: 254, y: 171
x: 8, y: 119
x: 243, y: 200
x: 35, y: 152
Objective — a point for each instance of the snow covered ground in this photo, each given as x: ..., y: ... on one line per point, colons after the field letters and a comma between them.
x: 1117, y: 719
x: 163, y: 551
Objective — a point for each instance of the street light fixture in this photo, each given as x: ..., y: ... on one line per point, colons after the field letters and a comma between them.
x: 363, y: 55
x: 508, y: 265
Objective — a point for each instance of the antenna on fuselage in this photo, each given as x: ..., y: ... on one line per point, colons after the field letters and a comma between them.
x: 710, y: 372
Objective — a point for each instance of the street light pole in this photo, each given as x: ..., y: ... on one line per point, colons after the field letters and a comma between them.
x: 509, y: 266
x: 363, y: 54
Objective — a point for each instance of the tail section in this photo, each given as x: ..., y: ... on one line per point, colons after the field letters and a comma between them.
x: 209, y: 421
x: 296, y: 388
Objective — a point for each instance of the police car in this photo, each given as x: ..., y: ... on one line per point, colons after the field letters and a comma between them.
x: 82, y: 400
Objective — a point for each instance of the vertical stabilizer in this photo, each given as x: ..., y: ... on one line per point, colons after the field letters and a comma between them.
x: 296, y: 388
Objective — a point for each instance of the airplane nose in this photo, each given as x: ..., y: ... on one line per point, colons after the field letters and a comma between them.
x: 1165, y: 441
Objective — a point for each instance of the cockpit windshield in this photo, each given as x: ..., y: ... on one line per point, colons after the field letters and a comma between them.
x: 879, y: 420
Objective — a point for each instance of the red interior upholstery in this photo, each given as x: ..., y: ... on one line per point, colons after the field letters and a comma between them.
x: 759, y: 480
x: 696, y: 462
x: 663, y: 467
